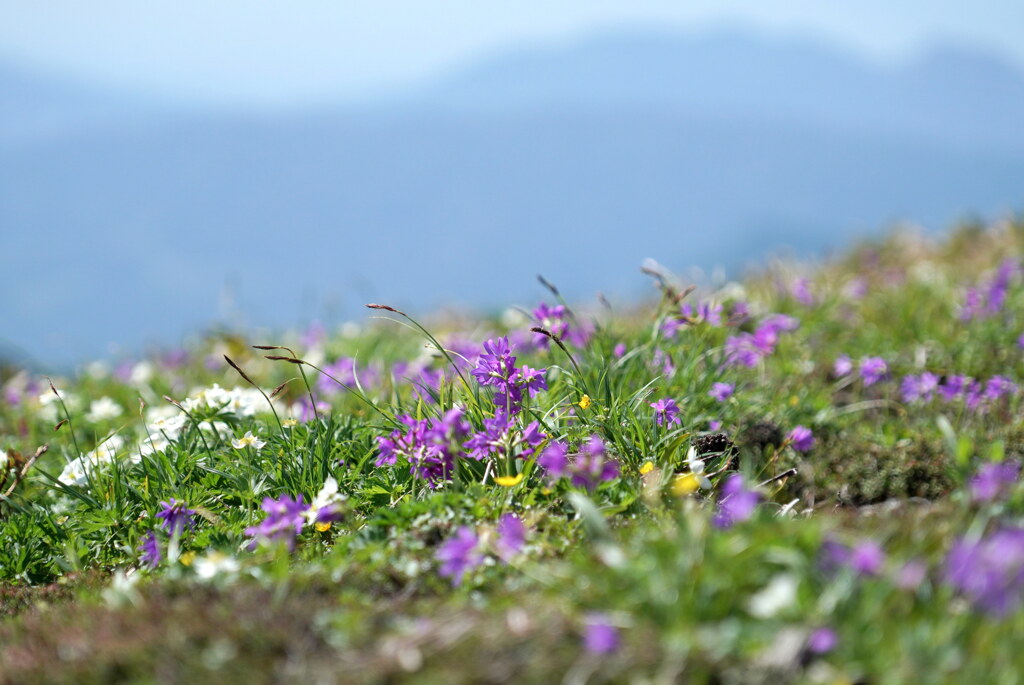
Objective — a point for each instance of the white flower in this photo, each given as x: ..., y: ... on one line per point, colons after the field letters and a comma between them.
x: 77, y: 471
x: 50, y: 404
x: 697, y: 468
x: 142, y: 373
x: 244, y: 401
x: 327, y: 498
x: 167, y: 427
x: 214, y: 397
x: 214, y: 563
x: 248, y: 440
x: 777, y: 596
x: 218, y: 428
x: 103, y: 409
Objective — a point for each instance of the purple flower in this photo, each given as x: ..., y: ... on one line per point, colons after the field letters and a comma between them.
x: 150, y: 551
x: 590, y: 467
x: 801, y: 291
x: 994, y: 481
x: 747, y: 349
x: 911, y: 575
x: 662, y: 362
x: 736, y: 504
x: 459, y: 555
x: 620, y: 349
x: 599, y: 635
x: 176, y: 516
x: 843, y: 366
x: 283, y: 522
x: 866, y: 558
x: 497, y: 368
x: 499, y: 434
x: 990, y: 571
x: 511, y: 536
x: 919, y: 388
x: 721, y: 391
x: 666, y: 411
x: 344, y: 369
x: 556, y: 320
x: 1020, y: 341
x: 822, y: 640
x: 801, y: 438
x: 430, y: 446
x: 872, y: 370
x: 704, y: 312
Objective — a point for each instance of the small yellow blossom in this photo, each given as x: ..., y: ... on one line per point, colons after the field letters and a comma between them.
x: 187, y: 558
x: 509, y: 481
x: 323, y: 527
x: 646, y: 468
x: 584, y: 402
x: 684, y: 484
x: 794, y: 400
x: 290, y: 423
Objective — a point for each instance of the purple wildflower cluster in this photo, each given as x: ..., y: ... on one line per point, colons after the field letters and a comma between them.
x: 345, y: 370
x: 866, y: 558
x: 463, y: 553
x: 501, y: 434
x: 430, y: 446
x: 871, y: 369
x: 704, y: 312
x: 556, y: 320
x: 800, y: 290
x: 987, y: 300
x: 496, y: 368
x: 994, y: 481
x: 736, y: 503
x: 721, y: 391
x: 283, y: 522
x: 150, y: 554
x: 974, y: 394
x: 599, y: 635
x: 989, y: 571
x: 747, y: 349
x: 587, y: 468
x: 801, y: 439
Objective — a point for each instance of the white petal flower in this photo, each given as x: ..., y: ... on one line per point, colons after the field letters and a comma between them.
x: 327, y: 498
x: 777, y: 596
x: 697, y: 468
x: 248, y: 440
x: 215, y: 563
x: 103, y: 409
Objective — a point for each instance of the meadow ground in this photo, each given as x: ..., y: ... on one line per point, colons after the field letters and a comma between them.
x: 809, y: 476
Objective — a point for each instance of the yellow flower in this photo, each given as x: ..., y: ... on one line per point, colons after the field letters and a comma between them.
x: 187, y: 558
x: 323, y: 527
x: 584, y: 402
x: 509, y: 481
x: 289, y: 423
x: 684, y: 484
x: 646, y: 468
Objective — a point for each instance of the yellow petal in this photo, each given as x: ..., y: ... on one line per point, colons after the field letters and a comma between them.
x: 646, y: 468
x: 685, y: 484
x: 508, y: 481
x: 187, y: 558
x: 322, y: 527
x: 584, y: 402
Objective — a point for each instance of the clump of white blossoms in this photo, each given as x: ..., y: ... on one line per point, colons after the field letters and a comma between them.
x: 50, y: 404
x: 248, y: 440
x: 242, y: 402
x: 77, y: 471
x: 103, y: 409
x: 215, y: 564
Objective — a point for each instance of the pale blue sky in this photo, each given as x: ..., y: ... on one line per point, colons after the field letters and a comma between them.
x: 256, y: 50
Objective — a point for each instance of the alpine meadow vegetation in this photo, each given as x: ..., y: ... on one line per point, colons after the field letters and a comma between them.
x: 811, y: 475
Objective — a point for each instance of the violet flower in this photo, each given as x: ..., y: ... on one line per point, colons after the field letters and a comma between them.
x: 736, y: 503
x: 459, y: 555
x: 872, y: 370
x: 666, y: 411
x: 283, y: 522
x: 822, y: 640
x: 994, y: 481
x: 430, y: 446
x: 721, y: 391
x: 990, y: 571
x: 511, y: 537
x: 150, y: 551
x: 176, y: 516
x: 801, y: 439
x: 599, y: 635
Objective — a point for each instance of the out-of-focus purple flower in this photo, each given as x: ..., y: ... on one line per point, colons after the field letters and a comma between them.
x: 855, y: 288
x: 314, y: 336
x: 150, y: 551
x: 459, y: 555
x: 994, y: 481
x: 919, y: 388
x: 866, y: 558
x: 662, y: 361
x: 986, y: 300
x: 511, y: 536
x: 499, y: 434
x: 740, y: 312
x: 1020, y: 341
x: 990, y: 571
x: 176, y: 516
x: 998, y: 387
x: 721, y: 391
x: 747, y: 349
x: 801, y: 291
x: 801, y: 439
x: 872, y: 370
x: 666, y: 411
x: 843, y: 366
x: 599, y: 635
x: 822, y: 640
x: 283, y: 522
x: 345, y: 370
x: 705, y: 312
x: 430, y: 446
x: 736, y: 503
x: 587, y: 469
x: 557, y: 321
x: 714, y: 426
x: 620, y: 349
x: 911, y: 575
